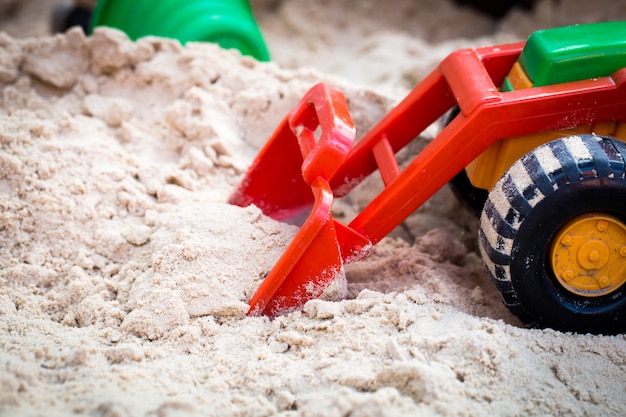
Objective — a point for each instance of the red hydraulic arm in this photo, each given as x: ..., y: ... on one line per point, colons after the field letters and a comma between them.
x: 467, y: 78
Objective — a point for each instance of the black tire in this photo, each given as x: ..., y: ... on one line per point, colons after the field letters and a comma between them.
x: 472, y: 198
x: 542, y: 191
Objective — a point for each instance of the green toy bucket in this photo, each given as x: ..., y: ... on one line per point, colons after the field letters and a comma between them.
x: 229, y: 23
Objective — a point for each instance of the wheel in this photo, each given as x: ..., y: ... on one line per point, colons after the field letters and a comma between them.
x: 553, y: 236
x: 472, y: 198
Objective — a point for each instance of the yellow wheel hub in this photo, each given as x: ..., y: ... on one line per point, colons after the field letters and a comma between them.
x: 588, y: 254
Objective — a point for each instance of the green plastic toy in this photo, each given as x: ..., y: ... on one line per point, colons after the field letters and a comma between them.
x: 229, y: 23
x: 550, y: 57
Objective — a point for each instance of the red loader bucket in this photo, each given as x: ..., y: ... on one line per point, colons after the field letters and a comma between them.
x: 288, y: 180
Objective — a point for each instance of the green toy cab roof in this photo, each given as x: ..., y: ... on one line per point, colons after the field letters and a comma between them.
x: 574, y: 53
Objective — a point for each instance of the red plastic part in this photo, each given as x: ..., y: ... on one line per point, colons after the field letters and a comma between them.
x: 467, y: 78
x: 308, y: 267
x: 280, y: 178
x: 313, y: 261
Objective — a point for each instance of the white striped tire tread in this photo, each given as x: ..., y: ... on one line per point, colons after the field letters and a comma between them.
x: 527, y: 183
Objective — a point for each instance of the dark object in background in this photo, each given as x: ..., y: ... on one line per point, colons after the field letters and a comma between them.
x: 8, y: 8
x: 497, y: 8
x: 66, y: 16
x: 78, y: 17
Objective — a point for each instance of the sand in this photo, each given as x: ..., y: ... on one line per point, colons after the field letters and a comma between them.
x: 125, y: 275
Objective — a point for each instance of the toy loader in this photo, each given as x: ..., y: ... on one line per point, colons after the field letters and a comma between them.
x: 535, y: 138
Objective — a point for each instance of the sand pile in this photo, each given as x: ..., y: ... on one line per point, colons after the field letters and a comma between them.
x: 124, y: 274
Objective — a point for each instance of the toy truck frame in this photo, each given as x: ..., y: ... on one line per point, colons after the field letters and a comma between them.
x: 547, y: 149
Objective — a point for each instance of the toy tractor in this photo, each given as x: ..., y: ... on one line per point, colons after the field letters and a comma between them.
x: 535, y: 139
